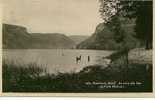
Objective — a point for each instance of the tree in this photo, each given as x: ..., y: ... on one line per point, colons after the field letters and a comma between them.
x: 116, y: 21
x: 108, y: 8
x: 115, y: 26
x: 143, y: 12
x: 140, y: 10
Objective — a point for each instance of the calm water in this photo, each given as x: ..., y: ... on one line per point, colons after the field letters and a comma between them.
x: 56, y: 60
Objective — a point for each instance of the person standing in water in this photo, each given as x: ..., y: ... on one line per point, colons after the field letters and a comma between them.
x: 88, y: 58
x: 78, y: 59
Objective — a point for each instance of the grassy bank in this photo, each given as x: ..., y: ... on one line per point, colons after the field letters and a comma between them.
x: 32, y: 78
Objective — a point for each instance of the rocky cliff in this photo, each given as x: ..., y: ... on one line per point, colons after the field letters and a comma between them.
x: 17, y: 37
x: 104, y: 38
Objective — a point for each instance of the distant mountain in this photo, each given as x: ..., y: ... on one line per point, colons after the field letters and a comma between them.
x: 17, y: 37
x: 51, y: 41
x: 78, y: 38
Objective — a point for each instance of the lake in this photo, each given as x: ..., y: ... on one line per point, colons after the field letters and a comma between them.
x: 56, y: 60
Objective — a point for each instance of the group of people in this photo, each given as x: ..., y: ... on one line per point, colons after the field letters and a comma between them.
x: 78, y: 58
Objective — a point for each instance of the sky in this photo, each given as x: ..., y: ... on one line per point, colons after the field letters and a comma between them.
x: 71, y: 17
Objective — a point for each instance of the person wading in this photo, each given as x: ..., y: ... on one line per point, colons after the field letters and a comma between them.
x: 78, y: 59
x: 88, y: 58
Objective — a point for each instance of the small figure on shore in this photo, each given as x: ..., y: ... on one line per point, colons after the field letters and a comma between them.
x: 88, y: 58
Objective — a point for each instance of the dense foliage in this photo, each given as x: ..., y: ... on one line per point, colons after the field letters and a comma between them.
x: 140, y: 10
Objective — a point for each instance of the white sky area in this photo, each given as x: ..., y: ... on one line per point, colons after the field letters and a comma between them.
x: 71, y: 17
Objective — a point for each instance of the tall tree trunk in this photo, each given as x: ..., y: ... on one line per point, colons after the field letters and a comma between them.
x: 127, y: 60
x: 147, y: 47
x: 127, y: 63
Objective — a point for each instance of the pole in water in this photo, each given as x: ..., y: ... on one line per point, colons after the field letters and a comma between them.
x: 88, y: 58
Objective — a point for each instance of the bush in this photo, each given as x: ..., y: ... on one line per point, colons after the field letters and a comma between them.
x: 32, y: 78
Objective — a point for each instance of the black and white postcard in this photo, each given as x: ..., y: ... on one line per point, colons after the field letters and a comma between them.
x: 77, y: 47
